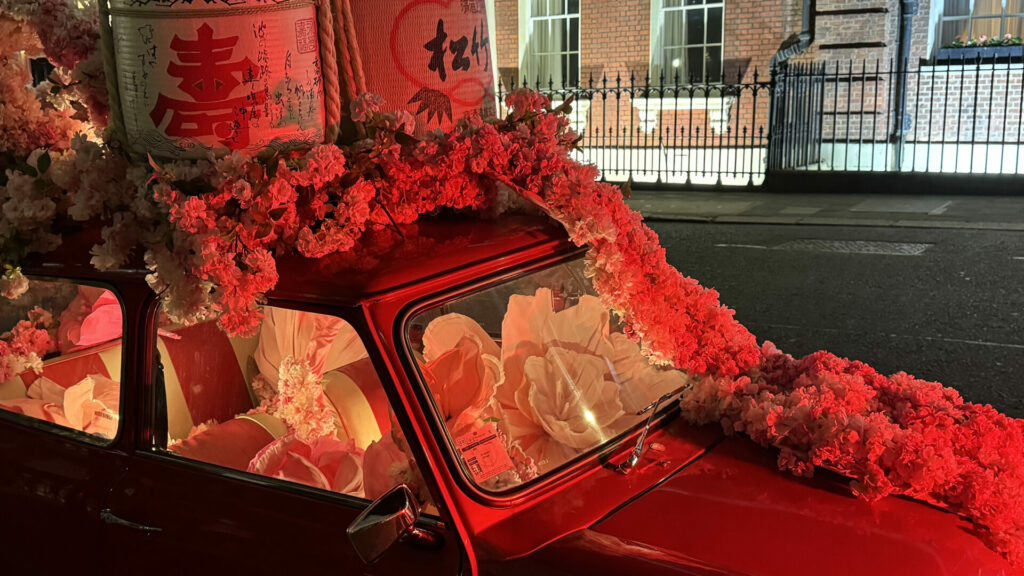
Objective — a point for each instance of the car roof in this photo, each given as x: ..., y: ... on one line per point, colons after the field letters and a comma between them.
x: 381, y: 262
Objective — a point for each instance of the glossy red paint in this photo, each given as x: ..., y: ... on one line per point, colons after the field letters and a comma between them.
x: 703, y: 506
x: 736, y: 511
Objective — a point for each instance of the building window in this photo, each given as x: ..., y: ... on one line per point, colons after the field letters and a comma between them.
x: 554, y: 40
x: 972, y: 19
x: 691, y: 40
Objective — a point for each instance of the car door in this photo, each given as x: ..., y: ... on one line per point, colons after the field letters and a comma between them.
x: 57, y: 463
x: 191, y: 508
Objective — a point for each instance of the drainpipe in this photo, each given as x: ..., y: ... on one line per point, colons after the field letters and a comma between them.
x: 791, y: 47
x: 797, y: 43
x: 908, y: 9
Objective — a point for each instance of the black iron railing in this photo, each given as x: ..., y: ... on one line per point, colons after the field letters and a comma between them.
x: 960, y: 116
x: 668, y: 130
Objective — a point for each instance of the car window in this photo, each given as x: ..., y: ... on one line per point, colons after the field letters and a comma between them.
x: 299, y: 401
x: 531, y: 373
x: 61, y: 347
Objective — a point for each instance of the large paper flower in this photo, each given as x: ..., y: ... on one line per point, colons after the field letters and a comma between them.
x: 568, y: 378
x: 462, y: 369
x: 93, y: 317
x: 325, y: 463
x: 570, y: 398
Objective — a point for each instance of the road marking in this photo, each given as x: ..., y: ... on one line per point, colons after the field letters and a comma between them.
x: 1018, y: 257
x: 940, y: 209
x: 740, y: 246
x: 932, y: 338
x: 855, y: 247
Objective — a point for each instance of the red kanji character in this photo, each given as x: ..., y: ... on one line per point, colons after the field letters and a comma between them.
x: 209, y: 78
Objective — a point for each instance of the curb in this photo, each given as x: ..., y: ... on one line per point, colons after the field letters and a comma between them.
x: 820, y: 221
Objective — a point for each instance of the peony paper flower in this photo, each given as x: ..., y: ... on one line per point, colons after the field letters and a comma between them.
x: 325, y: 463
x: 619, y: 379
x: 92, y: 318
x: 570, y: 399
x: 462, y: 369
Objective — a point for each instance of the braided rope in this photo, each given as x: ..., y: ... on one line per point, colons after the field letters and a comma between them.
x: 346, y: 74
x: 116, y: 122
x: 353, y: 47
x: 329, y: 71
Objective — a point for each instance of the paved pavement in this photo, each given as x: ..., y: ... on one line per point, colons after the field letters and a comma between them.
x: 910, y: 211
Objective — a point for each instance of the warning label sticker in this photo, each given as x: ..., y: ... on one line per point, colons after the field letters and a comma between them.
x: 484, y: 453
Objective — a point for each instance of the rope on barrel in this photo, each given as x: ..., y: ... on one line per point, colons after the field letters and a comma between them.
x: 329, y: 67
x: 353, y: 47
x: 347, y: 75
x: 116, y: 122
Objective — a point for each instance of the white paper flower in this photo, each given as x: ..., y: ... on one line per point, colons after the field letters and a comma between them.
x: 570, y: 398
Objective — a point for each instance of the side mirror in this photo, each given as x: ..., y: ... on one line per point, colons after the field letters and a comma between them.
x: 390, y: 518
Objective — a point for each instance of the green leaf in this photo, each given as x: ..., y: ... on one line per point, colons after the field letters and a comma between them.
x: 44, y: 163
x: 28, y: 170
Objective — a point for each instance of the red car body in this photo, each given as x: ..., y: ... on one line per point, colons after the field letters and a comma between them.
x: 702, y: 503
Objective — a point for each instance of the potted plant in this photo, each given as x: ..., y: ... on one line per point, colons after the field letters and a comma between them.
x: 982, y: 48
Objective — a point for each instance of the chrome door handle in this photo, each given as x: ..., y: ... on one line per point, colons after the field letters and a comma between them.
x: 110, y: 518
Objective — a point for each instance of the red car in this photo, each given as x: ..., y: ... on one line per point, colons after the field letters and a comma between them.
x: 448, y: 398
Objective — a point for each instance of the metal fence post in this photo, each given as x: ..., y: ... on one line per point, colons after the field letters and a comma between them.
x: 776, y: 104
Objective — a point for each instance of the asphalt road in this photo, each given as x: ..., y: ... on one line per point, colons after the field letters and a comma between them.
x: 952, y: 312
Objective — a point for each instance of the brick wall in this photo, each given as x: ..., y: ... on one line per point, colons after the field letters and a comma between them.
x: 753, y: 32
x: 964, y: 103
x: 506, y: 20
x: 615, y: 43
x: 945, y: 104
x: 615, y: 37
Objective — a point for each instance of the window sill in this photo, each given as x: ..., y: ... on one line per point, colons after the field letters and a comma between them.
x: 717, y: 107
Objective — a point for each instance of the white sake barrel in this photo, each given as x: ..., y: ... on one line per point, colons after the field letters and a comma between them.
x: 430, y: 57
x: 196, y: 77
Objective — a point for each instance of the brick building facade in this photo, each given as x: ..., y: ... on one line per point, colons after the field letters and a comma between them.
x: 619, y: 44
x: 624, y: 36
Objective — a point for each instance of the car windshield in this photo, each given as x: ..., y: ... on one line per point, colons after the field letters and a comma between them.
x: 531, y: 373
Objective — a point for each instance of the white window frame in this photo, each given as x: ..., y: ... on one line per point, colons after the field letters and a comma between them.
x: 527, y: 49
x: 943, y: 19
x: 658, y: 10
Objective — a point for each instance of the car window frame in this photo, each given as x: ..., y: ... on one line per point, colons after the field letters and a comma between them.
x: 147, y: 448
x: 600, y: 454
x: 65, y: 432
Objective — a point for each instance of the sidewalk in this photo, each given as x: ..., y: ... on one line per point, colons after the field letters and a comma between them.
x: 752, y: 207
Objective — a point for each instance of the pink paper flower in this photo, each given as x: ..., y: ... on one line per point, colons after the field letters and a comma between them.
x: 325, y: 463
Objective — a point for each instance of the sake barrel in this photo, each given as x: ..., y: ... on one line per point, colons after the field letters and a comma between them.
x: 196, y: 77
x: 430, y: 57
